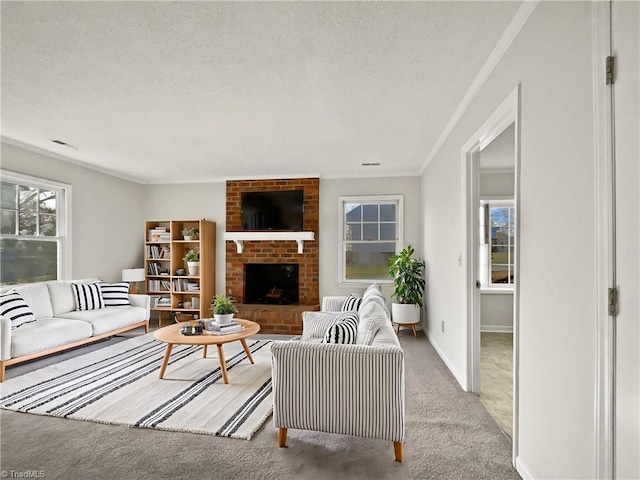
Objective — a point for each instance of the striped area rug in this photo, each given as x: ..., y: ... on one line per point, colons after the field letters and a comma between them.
x: 119, y: 385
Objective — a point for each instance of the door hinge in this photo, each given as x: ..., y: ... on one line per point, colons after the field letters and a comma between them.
x: 613, y: 301
x: 610, y: 70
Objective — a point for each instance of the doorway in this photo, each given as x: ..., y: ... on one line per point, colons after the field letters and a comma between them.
x: 496, y: 275
x: 491, y: 255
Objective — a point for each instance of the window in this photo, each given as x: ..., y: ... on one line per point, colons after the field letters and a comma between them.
x: 33, y: 229
x: 497, y: 243
x: 370, y: 234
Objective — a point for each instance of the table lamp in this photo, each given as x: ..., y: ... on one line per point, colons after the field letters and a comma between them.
x: 133, y: 276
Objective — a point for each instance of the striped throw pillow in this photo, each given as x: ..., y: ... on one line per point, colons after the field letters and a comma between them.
x: 88, y: 296
x: 344, y: 330
x: 114, y: 294
x: 352, y: 303
x: 13, y: 307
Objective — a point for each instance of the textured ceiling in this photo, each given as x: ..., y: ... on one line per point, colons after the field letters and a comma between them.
x: 167, y: 92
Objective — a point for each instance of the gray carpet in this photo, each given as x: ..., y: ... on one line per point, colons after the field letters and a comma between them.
x: 449, y: 435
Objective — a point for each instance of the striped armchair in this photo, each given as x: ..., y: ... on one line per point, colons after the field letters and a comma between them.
x: 352, y: 389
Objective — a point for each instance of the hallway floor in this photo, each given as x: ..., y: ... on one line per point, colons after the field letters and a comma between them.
x: 496, y: 378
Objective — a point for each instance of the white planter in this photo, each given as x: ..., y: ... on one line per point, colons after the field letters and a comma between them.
x: 188, y: 238
x: 194, y: 268
x: 405, y: 313
x: 222, y: 319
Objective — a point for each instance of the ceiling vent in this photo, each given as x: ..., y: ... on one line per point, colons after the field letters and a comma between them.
x: 371, y: 164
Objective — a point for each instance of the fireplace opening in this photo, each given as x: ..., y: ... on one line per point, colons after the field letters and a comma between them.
x: 271, y: 283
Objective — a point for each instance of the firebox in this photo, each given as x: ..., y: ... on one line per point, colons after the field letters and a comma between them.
x: 275, y: 283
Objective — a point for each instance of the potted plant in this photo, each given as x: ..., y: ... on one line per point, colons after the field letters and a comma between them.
x: 188, y: 233
x: 408, y: 286
x: 192, y: 258
x: 223, y: 309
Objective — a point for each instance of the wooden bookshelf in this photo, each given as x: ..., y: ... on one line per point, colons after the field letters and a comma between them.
x: 164, y: 252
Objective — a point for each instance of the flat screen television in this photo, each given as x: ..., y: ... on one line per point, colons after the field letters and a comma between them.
x: 275, y: 210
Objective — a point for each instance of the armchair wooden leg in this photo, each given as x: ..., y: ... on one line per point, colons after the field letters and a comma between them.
x: 397, y: 446
x: 282, y: 437
x: 2, y: 365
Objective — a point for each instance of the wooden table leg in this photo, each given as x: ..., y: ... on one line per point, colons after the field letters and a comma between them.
x: 246, y: 350
x: 204, y: 351
x: 165, y: 362
x: 223, y: 363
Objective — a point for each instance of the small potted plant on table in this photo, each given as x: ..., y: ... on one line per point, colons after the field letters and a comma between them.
x: 223, y: 309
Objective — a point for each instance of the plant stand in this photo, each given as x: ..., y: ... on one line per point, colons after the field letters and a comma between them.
x: 412, y: 325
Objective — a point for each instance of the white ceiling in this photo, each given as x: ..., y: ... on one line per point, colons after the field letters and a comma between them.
x: 169, y: 92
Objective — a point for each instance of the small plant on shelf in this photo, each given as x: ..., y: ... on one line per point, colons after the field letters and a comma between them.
x: 189, y: 232
x: 222, y: 305
x: 192, y: 255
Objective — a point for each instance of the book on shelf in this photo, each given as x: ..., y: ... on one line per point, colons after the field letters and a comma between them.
x: 158, y: 252
x: 159, y: 234
x: 154, y: 268
x: 183, y: 285
x: 158, y: 301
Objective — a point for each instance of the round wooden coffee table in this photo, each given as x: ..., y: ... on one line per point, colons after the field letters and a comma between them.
x: 171, y: 336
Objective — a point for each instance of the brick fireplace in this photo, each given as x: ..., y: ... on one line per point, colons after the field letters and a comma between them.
x: 275, y: 315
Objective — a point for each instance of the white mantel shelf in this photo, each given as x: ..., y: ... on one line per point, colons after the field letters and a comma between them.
x: 240, y: 237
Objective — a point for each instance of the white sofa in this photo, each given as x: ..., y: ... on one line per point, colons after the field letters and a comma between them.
x: 59, y: 326
x: 353, y: 389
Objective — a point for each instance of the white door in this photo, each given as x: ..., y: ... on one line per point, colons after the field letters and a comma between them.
x: 626, y: 50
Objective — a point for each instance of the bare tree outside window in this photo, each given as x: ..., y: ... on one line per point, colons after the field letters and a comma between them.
x: 30, y: 224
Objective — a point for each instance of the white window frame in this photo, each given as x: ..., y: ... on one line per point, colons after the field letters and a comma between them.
x: 367, y: 199
x: 63, y: 212
x: 485, y: 256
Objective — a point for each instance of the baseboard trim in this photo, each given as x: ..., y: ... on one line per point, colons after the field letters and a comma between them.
x: 523, y: 470
x: 497, y: 328
x: 446, y: 361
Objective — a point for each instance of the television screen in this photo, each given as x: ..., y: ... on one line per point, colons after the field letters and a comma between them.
x: 277, y: 210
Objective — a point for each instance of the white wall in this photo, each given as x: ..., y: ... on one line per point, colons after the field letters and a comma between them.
x: 107, y: 213
x: 496, y: 184
x: 496, y: 312
x: 330, y: 190
x: 551, y: 58
x: 193, y: 201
